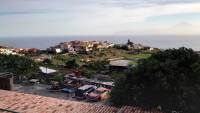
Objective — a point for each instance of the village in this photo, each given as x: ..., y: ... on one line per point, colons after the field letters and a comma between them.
x: 76, y: 70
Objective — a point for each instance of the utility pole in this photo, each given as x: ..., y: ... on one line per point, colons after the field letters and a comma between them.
x: 46, y: 66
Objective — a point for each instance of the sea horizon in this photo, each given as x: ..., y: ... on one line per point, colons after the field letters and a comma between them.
x: 157, y: 41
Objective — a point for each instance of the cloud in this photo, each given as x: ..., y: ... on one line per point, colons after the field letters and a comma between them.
x: 142, y: 13
x: 184, y: 25
x: 181, y: 28
x: 112, y: 9
x: 89, y: 16
x: 116, y: 16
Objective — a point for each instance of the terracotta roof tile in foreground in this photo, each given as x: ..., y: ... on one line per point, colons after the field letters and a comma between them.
x: 27, y: 103
x: 129, y: 109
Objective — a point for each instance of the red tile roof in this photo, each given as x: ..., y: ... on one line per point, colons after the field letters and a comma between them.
x: 27, y: 103
x: 129, y: 109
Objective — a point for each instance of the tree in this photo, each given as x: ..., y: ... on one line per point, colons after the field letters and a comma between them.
x: 87, y: 73
x: 59, y: 78
x: 169, y: 79
x: 47, y: 62
x: 17, y: 64
x: 71, y: 63
x: 99, y: 64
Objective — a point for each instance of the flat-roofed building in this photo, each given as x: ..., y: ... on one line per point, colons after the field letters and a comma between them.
x: 46, y: 70
x: 119, y: 65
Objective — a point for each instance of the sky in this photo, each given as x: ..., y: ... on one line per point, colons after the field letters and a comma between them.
x: 99, y: 17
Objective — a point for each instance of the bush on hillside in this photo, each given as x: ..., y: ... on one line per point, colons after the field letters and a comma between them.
x: 17, y: 64
x: 169, y: 79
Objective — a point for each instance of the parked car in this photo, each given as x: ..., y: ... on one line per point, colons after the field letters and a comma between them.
x: 55, y: 86
x: 73, y: 83
x: 34, y: 81
x: 81, y: 92
x: 68, y: 90
x: 99, y: 94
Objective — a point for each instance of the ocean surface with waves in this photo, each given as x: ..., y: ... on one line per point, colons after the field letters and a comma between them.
x: 153, y: 41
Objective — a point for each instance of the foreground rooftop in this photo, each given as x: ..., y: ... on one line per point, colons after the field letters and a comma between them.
x: 27, y: 103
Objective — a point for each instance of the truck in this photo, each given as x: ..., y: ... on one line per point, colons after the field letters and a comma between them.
x: 83, y: 91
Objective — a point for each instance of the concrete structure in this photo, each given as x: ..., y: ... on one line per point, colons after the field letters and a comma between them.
x: 119, y: 65
x: 6, y: 81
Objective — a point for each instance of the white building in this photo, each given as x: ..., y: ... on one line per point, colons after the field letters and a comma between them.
x: 58, y: 50
x: 46, y: 70
x: 7, y: 51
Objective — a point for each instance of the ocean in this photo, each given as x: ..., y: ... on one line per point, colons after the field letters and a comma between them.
x: 163, y: 42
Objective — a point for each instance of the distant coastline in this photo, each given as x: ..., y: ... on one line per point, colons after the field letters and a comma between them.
x: 164, y: 41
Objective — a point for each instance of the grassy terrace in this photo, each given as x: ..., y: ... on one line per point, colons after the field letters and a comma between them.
x: 138, y: 56
x: 88, y: 64
x: 99, y: 55
x: 92, y: 63
x: 61, y: 59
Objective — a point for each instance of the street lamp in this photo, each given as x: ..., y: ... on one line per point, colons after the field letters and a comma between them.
x: 46, y: 66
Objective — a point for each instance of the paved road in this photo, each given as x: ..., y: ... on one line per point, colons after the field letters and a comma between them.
x: 41, y: 89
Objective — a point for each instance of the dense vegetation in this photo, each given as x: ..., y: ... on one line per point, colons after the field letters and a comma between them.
x: 17, y: 64
x: 71, y: 63
x: 169, y: 80
x: 100, y: 56
x: 98, y: 65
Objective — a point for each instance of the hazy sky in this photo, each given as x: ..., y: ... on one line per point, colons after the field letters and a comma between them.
x: 99, y: 17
